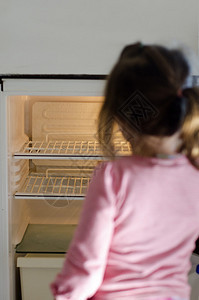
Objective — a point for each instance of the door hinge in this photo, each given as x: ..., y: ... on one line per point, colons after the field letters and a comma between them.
x: 1, y: 83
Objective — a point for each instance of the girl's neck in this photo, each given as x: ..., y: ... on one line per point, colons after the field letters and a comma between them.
x: 158, y: 146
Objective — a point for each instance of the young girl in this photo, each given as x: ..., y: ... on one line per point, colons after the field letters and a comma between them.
x: 140, y: 218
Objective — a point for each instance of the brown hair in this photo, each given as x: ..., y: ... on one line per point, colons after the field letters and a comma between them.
x: 144, y: 91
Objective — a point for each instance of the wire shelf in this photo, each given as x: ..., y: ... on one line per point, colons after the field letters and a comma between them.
x: 53, y: 187
x: 68, y: 150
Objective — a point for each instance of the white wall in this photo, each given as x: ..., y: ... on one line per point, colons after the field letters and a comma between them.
x: 86, y: 36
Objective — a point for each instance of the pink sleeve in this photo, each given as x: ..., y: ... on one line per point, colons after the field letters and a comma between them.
x: 85, y: 263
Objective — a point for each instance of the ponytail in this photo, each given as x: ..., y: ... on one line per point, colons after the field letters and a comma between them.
x: 190, y: 127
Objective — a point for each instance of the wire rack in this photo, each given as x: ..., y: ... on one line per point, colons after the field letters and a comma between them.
x: 67, y: 149
x: 53, y: 187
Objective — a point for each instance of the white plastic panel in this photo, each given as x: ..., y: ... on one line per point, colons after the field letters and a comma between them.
x: 37, y: 272
x: 64, y: 120
x: 67, y: 87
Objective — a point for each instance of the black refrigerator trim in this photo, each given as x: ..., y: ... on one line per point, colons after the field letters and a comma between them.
x: 52, y: 76
x: 195, y: 78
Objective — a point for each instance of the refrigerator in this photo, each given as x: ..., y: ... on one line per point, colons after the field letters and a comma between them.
x: 48, y: 151
x: 49, y: 148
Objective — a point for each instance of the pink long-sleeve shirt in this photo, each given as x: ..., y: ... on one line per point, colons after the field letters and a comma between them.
x: 136, y: 234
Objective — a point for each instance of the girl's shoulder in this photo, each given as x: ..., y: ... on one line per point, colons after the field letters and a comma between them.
x: 121, y: 165
x: 146, y: 162
x: 135, y: 163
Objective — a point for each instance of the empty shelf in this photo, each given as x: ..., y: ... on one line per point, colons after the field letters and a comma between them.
x: 53, y: 187
x: 68, y: 150
x: 46, y: 238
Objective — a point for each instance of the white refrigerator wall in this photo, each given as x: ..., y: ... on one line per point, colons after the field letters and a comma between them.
x: 85, y: 37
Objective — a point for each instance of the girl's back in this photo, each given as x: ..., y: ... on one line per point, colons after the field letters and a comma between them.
x: 155, y: 226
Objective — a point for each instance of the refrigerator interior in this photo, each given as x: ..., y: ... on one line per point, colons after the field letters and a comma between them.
x: 52, y: 151
x: 40, y: 123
